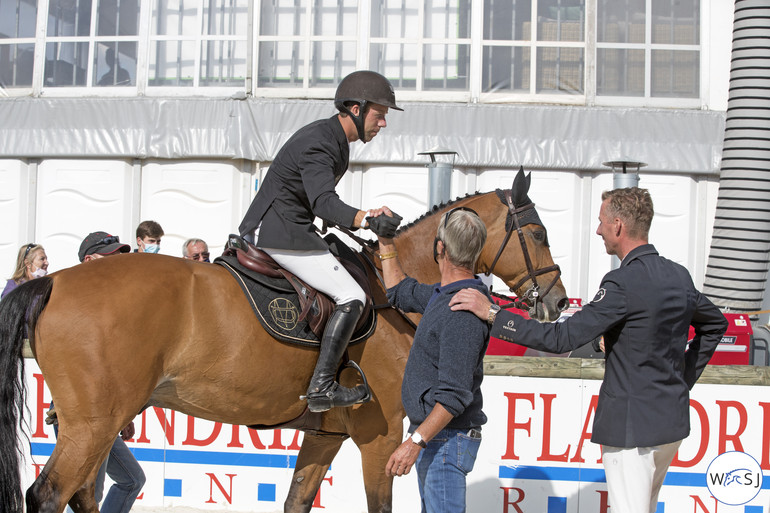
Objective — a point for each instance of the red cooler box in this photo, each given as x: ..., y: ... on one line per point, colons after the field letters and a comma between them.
x: 735, y: 347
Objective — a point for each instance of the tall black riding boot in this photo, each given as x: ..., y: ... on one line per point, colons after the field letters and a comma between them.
x: 324, y: 393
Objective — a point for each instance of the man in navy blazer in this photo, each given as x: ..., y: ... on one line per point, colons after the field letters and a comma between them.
x: 644, y: 310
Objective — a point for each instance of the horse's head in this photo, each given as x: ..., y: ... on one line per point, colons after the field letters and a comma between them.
x: 517, y: 250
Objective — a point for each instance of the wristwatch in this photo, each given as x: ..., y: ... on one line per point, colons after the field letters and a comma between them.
x: 493, y: 309
x: 417, y: 439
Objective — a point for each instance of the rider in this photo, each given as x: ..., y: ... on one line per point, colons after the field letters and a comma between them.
x: 299, y: 186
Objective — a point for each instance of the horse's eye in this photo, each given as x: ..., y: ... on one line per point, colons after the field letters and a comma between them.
x: 538, y: 235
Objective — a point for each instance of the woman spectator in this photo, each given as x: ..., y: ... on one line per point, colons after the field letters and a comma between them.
x: 31, y: 263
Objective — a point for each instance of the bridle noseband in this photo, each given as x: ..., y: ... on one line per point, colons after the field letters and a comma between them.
x: 532, y: 295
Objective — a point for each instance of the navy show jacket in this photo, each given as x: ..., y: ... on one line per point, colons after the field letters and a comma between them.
x: 644, y: 310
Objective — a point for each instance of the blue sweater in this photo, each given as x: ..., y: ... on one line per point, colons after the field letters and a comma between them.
x: 445, y: 363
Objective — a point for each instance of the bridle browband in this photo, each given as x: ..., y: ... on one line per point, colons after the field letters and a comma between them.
x: 532, y: 295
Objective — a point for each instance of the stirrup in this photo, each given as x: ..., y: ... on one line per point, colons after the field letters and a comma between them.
x: 325, y: 401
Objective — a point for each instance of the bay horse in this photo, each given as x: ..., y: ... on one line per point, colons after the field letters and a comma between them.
x: 206, y: 356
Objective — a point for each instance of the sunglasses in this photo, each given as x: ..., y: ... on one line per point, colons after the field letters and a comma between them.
x: 200, y: 256
x: 449, y: 214
x: 112, y: 239
x: 29, y: 247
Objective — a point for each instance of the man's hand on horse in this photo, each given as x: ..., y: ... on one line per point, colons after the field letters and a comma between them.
x: 384, y: 222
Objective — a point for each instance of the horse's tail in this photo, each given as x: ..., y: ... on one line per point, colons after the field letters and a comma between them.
x: 20, y: 307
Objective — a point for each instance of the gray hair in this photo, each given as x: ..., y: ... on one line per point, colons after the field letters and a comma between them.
x: 192, y: 241
x: 464, y: 234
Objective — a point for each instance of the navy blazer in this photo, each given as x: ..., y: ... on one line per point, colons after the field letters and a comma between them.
x: 644, y: 310
x: 299, y: 186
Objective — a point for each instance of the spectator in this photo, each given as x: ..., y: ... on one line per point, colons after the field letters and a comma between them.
x: 31, y: 263
x: 120, y: 465
x: 148, y: 235
x: 196, y: 249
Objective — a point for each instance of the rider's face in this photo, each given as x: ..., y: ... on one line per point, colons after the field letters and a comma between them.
x: 374, y: 120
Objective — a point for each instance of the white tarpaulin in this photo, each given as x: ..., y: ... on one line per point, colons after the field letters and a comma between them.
x: 537, y: 136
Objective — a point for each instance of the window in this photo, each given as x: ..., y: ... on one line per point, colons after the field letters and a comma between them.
x: 305, y: 43
x: 608, y: 52
x: 17, y: 42
x: 544, y: 53
x: 648, y: 48
x: 422, y: 46
x: 198, y: 43
x: 91, y: 43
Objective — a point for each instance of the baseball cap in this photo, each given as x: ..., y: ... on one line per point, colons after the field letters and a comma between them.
x: 101, y: 243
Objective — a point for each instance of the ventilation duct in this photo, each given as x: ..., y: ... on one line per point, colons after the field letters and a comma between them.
x: 736, y: 274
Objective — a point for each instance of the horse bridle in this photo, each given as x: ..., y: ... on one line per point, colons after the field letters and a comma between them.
x: 532, y: 295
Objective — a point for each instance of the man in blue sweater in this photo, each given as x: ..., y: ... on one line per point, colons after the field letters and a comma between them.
x: 441, y: 390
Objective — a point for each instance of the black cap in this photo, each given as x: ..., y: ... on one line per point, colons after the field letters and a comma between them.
x: 101, y: 243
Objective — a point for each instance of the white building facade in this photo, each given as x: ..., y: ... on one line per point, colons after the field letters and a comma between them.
x: 117, y: 111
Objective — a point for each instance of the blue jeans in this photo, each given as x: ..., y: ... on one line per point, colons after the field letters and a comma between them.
x: 124, y: 470
x: 441, y: 470
x: 128, y: 476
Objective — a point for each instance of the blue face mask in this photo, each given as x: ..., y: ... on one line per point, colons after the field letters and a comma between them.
x: 151, y: 248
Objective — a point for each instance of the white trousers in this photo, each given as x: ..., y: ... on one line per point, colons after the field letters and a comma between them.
x: 322, y: 271
x: 635, y: 475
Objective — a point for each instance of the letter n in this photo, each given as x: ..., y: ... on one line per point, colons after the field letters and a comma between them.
x: 214, y: 481
x: 697, y: 502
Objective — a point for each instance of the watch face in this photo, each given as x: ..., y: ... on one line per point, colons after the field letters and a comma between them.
x: 495, y: 307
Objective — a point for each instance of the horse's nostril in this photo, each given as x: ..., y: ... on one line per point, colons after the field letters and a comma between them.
x: 563, y: 304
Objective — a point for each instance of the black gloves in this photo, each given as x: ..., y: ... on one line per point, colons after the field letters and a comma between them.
x: 384, y: 225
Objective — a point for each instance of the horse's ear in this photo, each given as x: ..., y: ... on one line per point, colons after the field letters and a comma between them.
x: 521, y: 187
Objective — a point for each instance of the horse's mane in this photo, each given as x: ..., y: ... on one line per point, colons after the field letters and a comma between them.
x: 435, y: 209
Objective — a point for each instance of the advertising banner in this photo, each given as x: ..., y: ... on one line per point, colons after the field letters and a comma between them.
x: 536, y: 455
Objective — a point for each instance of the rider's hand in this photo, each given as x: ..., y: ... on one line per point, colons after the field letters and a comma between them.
x: 384, y: 225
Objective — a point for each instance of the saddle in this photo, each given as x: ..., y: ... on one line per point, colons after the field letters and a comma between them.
x: 272, y: 291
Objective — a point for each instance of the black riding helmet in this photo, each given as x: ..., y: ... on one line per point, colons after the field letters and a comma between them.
x: 362, y: 88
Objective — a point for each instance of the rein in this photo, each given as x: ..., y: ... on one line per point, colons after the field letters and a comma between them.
x: 532, y: 295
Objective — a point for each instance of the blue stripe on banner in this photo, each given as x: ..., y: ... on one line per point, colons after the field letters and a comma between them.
x: 195, y: 457
x: 597, y: 475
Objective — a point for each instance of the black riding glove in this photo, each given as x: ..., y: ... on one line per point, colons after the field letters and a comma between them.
x: 384, y: 225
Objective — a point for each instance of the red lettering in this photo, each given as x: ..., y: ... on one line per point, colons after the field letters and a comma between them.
x: 168, y: 426
x: 585, y: 435
x: 507, y: 499
x: 704, y: 438
x: 697, y: 502
x: 38, y: 468
x: 212, y: 481
x: 191, y: 440
x: 545, y: 454
x: 765, y: 464
x: 40, y: 407
x: 513, y: 425
x: 235, y: 441
x: 317, y: 500
x: 278, y: 442
x: 604, y: 503
x: 724, y: 406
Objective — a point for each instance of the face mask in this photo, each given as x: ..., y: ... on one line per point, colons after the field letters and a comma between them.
x: 151, y: 248
x: 39, y: 273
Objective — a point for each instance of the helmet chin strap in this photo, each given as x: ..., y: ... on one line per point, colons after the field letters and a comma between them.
x: 358, y: 121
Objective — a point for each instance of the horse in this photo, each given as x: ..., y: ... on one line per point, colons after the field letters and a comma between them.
x: 206, y: 356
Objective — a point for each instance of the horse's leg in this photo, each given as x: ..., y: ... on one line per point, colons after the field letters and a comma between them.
x: 315, y: 457
x: 70, y: 472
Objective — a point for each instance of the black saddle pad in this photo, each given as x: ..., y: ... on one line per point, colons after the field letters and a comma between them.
x: 276, y: 305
